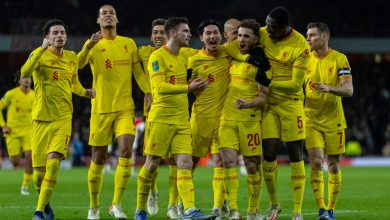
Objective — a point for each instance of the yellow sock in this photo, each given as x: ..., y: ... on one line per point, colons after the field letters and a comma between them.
x: 153, y: 187
x: 185, y: 187
x: 218, y: 187
x: 298, y: 185
x: 37, y: 179
x: 26, y: 179
x: 143, y: 188
x: 270, y: 173
x: 95, y: 178
x: 317, y: 184
x: 334, y: 186
x: 48, y: 183
x: 173, y: 193
x: 122, y: 174
x: 254, y: 187
x: 232, y: 184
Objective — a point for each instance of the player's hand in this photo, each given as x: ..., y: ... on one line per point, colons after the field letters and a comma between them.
x: 258, y: 58
x: 46, y: 43
x: 240, y: 103
x: 96, y: 37
x: 6, y: 130
x: 198, y: 85
x: 90, y: 93
x: 148, y: 100
x: 321, y: 87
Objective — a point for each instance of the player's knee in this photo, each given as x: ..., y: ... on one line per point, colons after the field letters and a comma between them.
x: 333, y: 167
x: 15, y: 161
x: 317, y: 164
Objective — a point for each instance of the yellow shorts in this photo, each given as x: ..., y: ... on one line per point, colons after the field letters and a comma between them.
x: 50, y: 137
x: 285, y: 121
x: 204, y: 136
x: 243, y: 136
x: 163, y: 139
x: 333, y: 142
x: 102, y: 126
x: 17, y: 145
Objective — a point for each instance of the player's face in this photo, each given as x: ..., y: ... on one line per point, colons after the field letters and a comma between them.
x: 57, y: 36
x: 25, y: 81
x: 183, y: 35
x: 107, y: 17
x: 275, y: 31
x: 159, y: 37
x: 314, y: 38
x: 246, y: 39
x: 211, y: 38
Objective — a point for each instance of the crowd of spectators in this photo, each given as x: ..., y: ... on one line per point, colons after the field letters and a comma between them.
x: 346, y: 18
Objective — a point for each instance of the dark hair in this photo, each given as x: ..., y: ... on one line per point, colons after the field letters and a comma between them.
x: 251, y: 24
x: 281, y: 15
x: 208, y: 22
x: 158, y: 21
x: 322, y: 27
x: 53, y: 22
x: 174, y: 22
x: 98, y: 14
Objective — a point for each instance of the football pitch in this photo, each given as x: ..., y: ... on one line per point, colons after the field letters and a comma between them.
x: 365, y: 191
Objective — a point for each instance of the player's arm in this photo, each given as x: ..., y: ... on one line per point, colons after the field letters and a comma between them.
x: 84, y: 55
x: 4, y: 103
x: 141, y: 78
x: 79, y: 90
x: 233, y: 51
x: 346, y: 88
x: 298, y: 75
x: 256, y: 102
x: 32, y: 61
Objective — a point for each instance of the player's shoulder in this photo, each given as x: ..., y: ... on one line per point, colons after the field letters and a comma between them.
x: 12, y: 92
x: 125, y: 39
x: 299, y: 39
x: 145, y: 50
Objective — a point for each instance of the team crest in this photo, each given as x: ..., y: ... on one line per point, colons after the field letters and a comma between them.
x: 155, y: 66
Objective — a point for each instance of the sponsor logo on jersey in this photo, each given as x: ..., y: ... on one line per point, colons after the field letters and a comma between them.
x: 55, y: 76
x: 172, y: 80
x: 108, y: 64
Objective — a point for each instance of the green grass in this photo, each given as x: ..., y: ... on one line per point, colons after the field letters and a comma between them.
x: 364, y: 195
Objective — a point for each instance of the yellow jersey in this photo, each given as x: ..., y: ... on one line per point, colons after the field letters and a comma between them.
x: 325, y: 110
x: 112, y: 63
x: 168, y: 74
x: 216, y: 69
x: 19, y: 107
x: 289, y: 59
x: 55, y: 78
x: 242, y: 85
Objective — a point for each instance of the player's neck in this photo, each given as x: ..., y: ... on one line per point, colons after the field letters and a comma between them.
x: 109, y: 33
x: 173, y: 47
x: 24, y: 89
x: 321, y: 52
x: 56, y: 50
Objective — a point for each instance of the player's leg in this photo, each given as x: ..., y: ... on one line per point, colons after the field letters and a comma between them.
x: 60, y: 132
x: 157, y: 139
x: 336, y: 143
x: 100, y: 137
x: 293, y: 132
x: 270, y: 132
x: 251, y: 149
x: 229, y: 146
x: 315, y: 144
x: 28, y: 170
x: 182, y: 152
